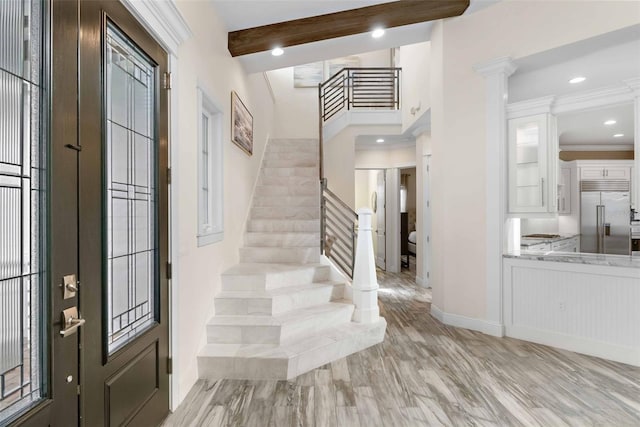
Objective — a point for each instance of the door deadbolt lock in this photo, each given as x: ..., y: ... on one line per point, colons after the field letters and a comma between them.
x: 71, y: 321
x: 70, y: 286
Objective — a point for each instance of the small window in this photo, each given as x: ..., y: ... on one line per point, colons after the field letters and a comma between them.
x: 210, y: 185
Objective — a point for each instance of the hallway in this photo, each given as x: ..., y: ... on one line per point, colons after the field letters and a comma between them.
x: 426, y: 373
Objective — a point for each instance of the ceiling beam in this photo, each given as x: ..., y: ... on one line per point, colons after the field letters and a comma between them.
x: 341, y: 24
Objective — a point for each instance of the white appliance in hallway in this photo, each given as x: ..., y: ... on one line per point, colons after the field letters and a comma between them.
x: 604, y: 218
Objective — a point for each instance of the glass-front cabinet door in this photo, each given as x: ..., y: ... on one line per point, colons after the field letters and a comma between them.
x: 531, y: 165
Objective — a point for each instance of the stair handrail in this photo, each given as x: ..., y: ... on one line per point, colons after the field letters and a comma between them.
x: 337, y: 230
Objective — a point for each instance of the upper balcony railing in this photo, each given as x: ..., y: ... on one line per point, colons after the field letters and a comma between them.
x: 353, y: 88
x: 357, y: 88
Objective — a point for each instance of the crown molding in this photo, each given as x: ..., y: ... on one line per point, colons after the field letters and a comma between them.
x: 530, y: 107
x: 503, y: 65
x: 163, y: 19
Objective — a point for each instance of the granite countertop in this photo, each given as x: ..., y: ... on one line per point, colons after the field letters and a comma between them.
x: 577, y: 258
x: 530, y: 241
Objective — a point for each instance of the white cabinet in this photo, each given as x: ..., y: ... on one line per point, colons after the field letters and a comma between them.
x: 605, y: 172
x: 533, y: 162
x: 566, y: 245
x: 564, y: 191
x: 540, y: 247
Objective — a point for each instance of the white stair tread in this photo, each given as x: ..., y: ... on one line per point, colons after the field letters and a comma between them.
x: 249, y: 268
x: 293, y: 347
x: 277, y: 320
x: 278, y: 291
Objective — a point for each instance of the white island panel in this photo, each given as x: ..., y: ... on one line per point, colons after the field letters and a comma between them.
x: 590, y: 309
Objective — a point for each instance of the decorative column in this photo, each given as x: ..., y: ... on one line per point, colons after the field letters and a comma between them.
x: 365, y: 281
x: 496, y: 74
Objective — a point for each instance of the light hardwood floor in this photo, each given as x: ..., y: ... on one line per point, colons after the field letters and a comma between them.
x: 427, y: 374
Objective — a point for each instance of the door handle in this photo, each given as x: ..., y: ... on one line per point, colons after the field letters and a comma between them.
x: 71, y: 321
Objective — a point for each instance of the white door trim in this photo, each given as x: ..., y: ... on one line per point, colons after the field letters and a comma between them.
x: 165, y: 23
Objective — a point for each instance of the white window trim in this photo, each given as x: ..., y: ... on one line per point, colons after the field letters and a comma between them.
x: 211, y: 228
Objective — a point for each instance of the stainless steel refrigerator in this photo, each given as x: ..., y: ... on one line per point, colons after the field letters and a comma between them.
x: 604, y: 217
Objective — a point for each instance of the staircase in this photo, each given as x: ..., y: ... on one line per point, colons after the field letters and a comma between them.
x: 281, y: 311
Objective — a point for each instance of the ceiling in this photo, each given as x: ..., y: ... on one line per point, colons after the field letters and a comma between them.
x: 584, y: 131
x: 605, y: 61
x: 242, y: 14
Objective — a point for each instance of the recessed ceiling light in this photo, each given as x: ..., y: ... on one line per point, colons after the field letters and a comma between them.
x: 277, y: 51
x: 610, y: 122
x: 377, y: 33
x: 379, y: 140
x: 618, y: 135
x: 578, y: 79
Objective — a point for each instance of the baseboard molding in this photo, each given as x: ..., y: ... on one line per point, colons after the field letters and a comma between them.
x: 616, y: 353
x: 437, y: 313
x: 420, y: 281
x: 471, y: 323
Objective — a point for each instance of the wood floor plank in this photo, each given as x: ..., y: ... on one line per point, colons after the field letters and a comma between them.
x: 428, y: 374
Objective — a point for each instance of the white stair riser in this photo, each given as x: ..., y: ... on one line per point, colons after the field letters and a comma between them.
x: 280, y: 201
x: 289, y: 163
x: 215, y: 368
x: 312, y: 326
x: 293, y: 190
x: 295, y: 226
x: 276, y: 304
x: 244, y: 334
x: 304, y: 148
x: 288, y: 181
x: 301, y: 171
x: 281, y: 239
x: 268, y: 281
x: 337, y: 350
x: 291, y: 155
x: 276, y: 334
x: 293, y: 142
x: 285, y: 212
x: 281, y: 255
x: 310, y: 356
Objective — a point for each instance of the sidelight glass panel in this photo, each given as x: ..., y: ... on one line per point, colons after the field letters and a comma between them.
x: 130, y: 197
x: 22, y: 207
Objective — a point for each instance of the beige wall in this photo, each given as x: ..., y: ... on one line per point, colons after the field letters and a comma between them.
x: 384, y: 159
x: 414, y: 60
x: 509, y: 28
x: 204, y: 59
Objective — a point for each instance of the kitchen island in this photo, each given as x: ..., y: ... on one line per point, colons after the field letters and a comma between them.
x: 587, y: 303
x: 551, y: 242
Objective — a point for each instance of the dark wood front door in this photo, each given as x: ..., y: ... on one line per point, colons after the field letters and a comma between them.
x: 83, y: 216
x: 123, y: 219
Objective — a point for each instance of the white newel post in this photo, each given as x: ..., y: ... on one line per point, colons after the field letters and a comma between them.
x: 365, y: 281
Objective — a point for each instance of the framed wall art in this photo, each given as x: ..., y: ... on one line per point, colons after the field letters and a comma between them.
x: 241, y: 124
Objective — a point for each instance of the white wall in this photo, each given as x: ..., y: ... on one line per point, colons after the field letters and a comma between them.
x: 340, y: 159
x: 509, y: 28
x: 297, y: 108
x: 414, y: 60
x: 402, y: 157
x: 204, y: 59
